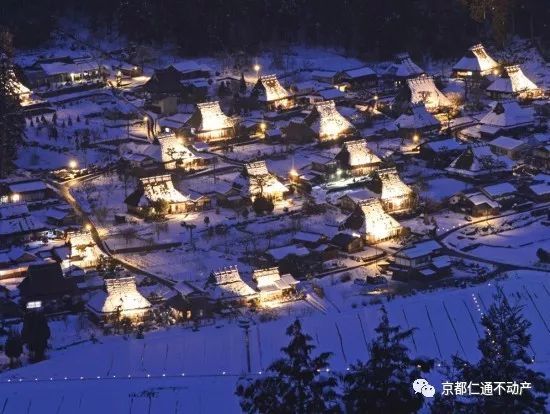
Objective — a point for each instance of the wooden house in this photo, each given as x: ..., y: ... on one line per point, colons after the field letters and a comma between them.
x: 401, y: 69
x: 476, y: 63
x: 395, y: 196
x: 373, y: 223
x: 121, y: 299
x: 513, y: 84
x: 271, y: 95
x: 272, y: 285
x: 357, y: 159
x: 209, y: 123
x: 423, y: 90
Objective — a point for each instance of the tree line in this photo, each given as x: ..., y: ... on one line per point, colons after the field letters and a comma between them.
x: 368, y: 28
x: 301, y: 381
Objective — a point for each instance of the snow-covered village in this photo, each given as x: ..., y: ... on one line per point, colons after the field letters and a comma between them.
x: 296, y: 207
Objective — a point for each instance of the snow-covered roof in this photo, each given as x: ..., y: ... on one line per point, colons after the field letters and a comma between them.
x: 360, y: 153
x: 213, y: 117
x: 514, y: 82
x: 423, y: 90
x: 161, y: 187
x: 420, y: 249
x: 478, y: 199
x: 122, y: 295
x: 476, y: 60
x: 279, y: 253
x: 418, y: 118
x: 27, y: 186
x: 378, y: 223
x: 330, y: 124
x: 478, y: 160
x: 500, y: 189
x: 448, y: 144
x: 58, y: 68
x: 172, y: 149
x: 506, y: 143
x: 10, y: 210
x: 540, y: 189
x: 273, y: 89
x: 18, y: 225
x: 331, y: 93
x: 508, y: 114
x: 269, y: 280
x: 227, y: 282
x: 392, y: 186
x: 359, y: 72
x: 359, y: 195
x: 256, y: 169
x: 403, y: 67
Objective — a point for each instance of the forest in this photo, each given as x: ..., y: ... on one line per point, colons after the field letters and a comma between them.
x: 366, y: 28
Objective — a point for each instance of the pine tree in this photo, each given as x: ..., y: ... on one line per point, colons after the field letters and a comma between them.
x: 383, y: 383
x: 504, y: 357
x: 13, y: 347
x: 242, y: 85
x: 295, y: 384
x: 12, y: 122
x: 35, y: 334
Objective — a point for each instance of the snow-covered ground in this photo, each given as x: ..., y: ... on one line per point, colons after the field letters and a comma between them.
x: 211, y: 359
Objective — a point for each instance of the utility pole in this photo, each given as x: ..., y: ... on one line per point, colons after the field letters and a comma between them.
x: 245, y: 324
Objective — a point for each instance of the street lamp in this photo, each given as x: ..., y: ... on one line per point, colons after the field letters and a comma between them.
x: 416, y: 138
x: 257, y: 69
x: 73, y: 164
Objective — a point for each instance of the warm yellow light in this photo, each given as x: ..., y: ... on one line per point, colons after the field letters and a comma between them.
x: 73, y: 164
x: 15, y: 198
x: 145, y: 118
x: 416, y: 138
x: 495, y: 72
x: 375, y: 97
x: 293, y: 172
x: 257, y: 67
x: 119, y: 73
x: 88, y: 226
x: 263, y: 126
x: 135, y: 68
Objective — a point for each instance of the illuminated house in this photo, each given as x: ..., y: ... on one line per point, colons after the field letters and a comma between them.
x: 513, y: 84
x: 84, y: 252
x: 175, y: 155
x: 259, y: 181
x: 423, y: 90
x: 272, y: 285
x: 375, y: 225
x: 476, y: 62
x: 156, y: 188
x: 63, y: 70
x: 357, y: 158
x: 327, y: 123
x: 211, y: 124
x: 227, y: 284
x: 396, y: 196
x: 505, y: 118
x: 121, y: 299
x: 269, y: 91
x: 401, y: 69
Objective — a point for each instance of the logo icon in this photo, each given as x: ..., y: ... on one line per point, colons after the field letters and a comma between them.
x: 422, y: 386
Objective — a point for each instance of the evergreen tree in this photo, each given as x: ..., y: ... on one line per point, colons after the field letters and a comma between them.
x: 242, y: 85
x: 12, y: 121
x: 383, y: 383
x: 504, y: 357
x: 35, y: 334
x: 296, y: 384
x: 13, y: 347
